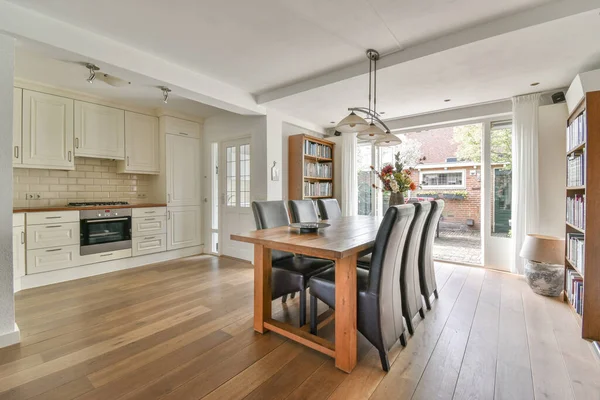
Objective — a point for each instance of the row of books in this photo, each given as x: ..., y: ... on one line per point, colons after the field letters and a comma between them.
x: 576, y: 211
x: 576, y: 250
x: 318, y: 188
x: 576, y: 170
x: 318, y: 170
x: 574, y: 289
x: 318, y: 150
x: 577, y: 132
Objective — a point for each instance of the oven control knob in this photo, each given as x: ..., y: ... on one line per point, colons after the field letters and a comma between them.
x: 99, y: 215
x: 116, y: 214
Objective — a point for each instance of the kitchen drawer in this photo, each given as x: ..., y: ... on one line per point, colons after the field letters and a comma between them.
x: 148, y: 226
x: 38, y: 218
x: 51, y: 259
x: 52, y: 235
x: 100, y: 257
x: 18, y: 219
x: 181, y: 127
x: 149, y: 212
x: 149, y: 244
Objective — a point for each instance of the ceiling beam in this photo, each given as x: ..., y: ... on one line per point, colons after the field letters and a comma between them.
x: 21, y: 22
x: 499, y: 26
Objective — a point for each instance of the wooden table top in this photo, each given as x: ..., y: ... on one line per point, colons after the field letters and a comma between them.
x: 345, y: 236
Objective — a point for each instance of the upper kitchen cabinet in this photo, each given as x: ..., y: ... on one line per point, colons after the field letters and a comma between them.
x: 183, y: 171
x: 47, y: 131
x: 141, y: 144
x: 99, y: 131
x: 17, y: 124
x: 181, y: 127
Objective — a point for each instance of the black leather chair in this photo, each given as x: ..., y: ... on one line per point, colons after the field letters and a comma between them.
x: 426, y: 267
x: 410, y: 287
x: 329, y: 208
x: 379, y: 300
x: 303, y: 211
x: 290, y: 273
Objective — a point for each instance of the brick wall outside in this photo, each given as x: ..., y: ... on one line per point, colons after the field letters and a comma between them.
x: 436, y: 144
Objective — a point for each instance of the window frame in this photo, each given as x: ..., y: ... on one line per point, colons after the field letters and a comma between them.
x: 443, y: 171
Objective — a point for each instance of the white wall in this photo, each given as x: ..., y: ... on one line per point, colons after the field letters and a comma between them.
x: 8, y: 330
x: 552, y: 168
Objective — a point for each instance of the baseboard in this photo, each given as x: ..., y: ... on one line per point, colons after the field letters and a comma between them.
x: 84, y: 271
x: 10, y: 338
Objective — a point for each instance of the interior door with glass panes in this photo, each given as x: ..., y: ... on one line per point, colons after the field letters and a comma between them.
x: 235, y: 197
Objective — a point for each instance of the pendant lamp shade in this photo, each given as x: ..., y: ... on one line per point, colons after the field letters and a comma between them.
x: 373, y: 132
x: 352, y: 123
x: 388, y: 141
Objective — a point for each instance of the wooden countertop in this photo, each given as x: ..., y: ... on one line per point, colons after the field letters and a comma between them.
x: 66, y: 208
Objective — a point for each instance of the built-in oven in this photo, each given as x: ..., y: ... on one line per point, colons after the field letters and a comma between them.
x: 105, y: 230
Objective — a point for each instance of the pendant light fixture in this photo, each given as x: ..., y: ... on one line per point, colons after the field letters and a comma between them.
x: 369, y: 128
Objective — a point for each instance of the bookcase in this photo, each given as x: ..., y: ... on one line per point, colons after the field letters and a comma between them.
x: 310, y: 168
x: 582, y: 241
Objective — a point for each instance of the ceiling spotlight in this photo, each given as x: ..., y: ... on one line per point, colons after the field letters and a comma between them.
x: 92, y: 68
x: 165, y: 92
x: 534, y: 84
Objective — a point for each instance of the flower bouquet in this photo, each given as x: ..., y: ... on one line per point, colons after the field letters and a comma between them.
x: 396, y: 180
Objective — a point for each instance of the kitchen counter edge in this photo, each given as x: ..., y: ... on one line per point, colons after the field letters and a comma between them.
x: 66, y: 208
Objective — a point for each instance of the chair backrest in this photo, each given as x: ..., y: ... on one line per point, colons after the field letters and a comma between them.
x: 303, y: 211
x: 386, y: 264
x: 329, y: 208
x: 271, y: 214
x: 426, y: 269
x: 409, y: 277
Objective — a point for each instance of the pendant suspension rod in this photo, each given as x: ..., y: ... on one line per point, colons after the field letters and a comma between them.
x: 370, y: 63
x: 374, y: 86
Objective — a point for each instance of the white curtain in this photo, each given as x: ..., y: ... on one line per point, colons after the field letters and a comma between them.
x: 525, y: 174
x: 349, y: 175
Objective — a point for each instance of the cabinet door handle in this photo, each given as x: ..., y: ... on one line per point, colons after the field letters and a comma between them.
x: 149, y: 212
x: 57, y: 217
x: 16, y: 151
x: 168, y: 197
x: 149, y: 238
x: 76, y: 142
x: 128, y: 161
x: 53, y: 226
x: 51, y: 250
x: 168, y: 214
x: 149, y: 219
x: 183, y: 133
x: 106, y: 255
x: 22, y: 237
x: 69, y: 156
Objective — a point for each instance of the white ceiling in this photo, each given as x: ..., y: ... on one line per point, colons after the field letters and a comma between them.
x: 64, y: 70
x: 261, y: 44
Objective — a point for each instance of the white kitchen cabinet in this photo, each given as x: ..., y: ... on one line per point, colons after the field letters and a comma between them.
x: 47, y: 131
x: 51, y: 259
x: 177, y: 126
x: 141, y: 145
x: 17, y: 125
x: 51, y: 235
x: 149, y: 244
x: 183, y: 227
x: 183, y: 171
x: 139, y: 212
x: 52, y: 217
x: 18, y: 252
x: 148, y: 226
x: 99, y: 131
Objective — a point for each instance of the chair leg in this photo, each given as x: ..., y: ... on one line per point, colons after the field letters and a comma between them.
x: 303, y: 308
x: 313, y: 315
x: 292, y: 295
x: 385, y: 362
x: 284, y: 298
x: 409, y: 326
x: 403, y: 339
x: 422, y: 313
x: 435, y: 293
x: 427, y: 302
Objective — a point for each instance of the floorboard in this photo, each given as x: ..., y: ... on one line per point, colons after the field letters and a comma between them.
x: 182, y: 330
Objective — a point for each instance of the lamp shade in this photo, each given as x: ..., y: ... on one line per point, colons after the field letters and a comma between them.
x: 352, y: 123
x: 543, y: 249
x: 388, y: 141
x: 373, y: 132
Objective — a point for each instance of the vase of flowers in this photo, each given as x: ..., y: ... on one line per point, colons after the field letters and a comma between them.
x: 395, y: 181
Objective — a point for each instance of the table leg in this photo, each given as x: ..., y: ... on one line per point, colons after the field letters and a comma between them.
x: 262, y: 287
x: 345, y: 314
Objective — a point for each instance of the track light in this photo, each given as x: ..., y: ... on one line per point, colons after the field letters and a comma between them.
x: 92, y: 68
x: 165, y: 92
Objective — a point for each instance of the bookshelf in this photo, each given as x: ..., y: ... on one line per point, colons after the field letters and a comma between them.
x: 582, y: 251
x: 310, y: 168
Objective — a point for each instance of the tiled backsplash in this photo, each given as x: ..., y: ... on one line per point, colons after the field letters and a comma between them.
x: 92, y: 180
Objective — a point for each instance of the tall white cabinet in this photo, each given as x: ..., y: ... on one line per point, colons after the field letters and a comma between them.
x: 17, y: 123
x: 47, y: 131
x: 182, y: 181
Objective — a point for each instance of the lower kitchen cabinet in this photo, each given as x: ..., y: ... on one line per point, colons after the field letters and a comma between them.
x: 183, y: 227
x: 148, y: 226
x: 51, y: 259
x: 149, y: 244
x: 52, y: 235
x: 18, y: 252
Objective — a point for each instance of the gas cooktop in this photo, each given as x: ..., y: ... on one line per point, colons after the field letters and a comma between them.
x: 98, y: 203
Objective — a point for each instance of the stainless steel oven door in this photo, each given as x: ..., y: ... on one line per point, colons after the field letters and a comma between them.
x: 105, y: 234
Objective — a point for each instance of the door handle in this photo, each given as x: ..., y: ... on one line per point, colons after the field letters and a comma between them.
x: 168, y: 214
x: 76, y: 142
x: 128, y: 161
x: 69, y: 156
x: 22, y: 237
x: 51, y: 250
x: 168, y: 197
x: 53, y: 226
x: 16, y: 151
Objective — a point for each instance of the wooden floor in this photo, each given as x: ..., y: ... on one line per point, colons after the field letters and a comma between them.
x: 183, y: 330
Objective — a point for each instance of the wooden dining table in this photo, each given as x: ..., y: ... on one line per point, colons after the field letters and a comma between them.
x: 344, y: 241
